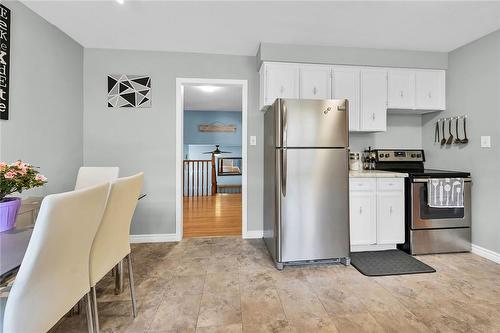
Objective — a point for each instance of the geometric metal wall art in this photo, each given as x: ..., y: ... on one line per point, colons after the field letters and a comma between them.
x: 129, y: 91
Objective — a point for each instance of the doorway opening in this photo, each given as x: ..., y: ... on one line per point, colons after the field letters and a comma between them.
x: 211, y: 158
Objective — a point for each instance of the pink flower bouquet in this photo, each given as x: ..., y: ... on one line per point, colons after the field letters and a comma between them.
x: 17, y: 177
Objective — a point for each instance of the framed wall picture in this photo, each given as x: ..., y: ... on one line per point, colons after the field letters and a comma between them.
x: 229, y: 166
x: 4, y: 61
x: 129, y: 91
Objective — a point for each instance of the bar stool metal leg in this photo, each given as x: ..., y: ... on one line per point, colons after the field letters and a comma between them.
x: 119, y: 278
x: 131, y: 283
x: 96, y: 315
x: 90, y: 323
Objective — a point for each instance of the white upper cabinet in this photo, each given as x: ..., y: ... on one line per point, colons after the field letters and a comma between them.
x: 373, y: 100
x: 430, y: 90
x: 279, y: 81
x: 315, y: 82
x: 346, y: 85
x: 371, y: 91
x: 401, y: 89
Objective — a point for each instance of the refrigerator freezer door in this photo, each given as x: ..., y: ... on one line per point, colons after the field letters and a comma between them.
x: 314, y: 123
x: 314, y: 194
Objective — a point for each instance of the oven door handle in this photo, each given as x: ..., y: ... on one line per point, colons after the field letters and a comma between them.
x: 425, y: 180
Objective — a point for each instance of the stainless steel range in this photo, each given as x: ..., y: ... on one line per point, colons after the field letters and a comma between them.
x: 428, y: 229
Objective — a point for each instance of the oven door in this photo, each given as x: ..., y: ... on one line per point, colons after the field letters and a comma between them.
x: 425, y: 217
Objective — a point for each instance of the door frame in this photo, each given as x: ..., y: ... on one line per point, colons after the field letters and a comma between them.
x: 179, y: 151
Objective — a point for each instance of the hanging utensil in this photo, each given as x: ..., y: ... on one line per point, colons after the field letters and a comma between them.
x: 436, y: 133
x: 450, y: 139
x: 465, y: 140
x: 443, y: 140
x: 457, y: 140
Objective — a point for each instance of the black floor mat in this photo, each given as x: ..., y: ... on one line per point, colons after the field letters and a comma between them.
x: 389, y: 262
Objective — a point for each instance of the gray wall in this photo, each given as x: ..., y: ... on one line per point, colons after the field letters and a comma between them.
x: 351, y: 56
x: 46, y: 100
x: 144, y: 139
x: 403, y: 131
x: 473, y: 88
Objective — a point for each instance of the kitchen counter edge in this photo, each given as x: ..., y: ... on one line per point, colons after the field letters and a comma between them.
x: 376, y: 174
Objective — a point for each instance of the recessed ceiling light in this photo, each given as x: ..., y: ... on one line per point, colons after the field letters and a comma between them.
x: 120, y: 1
x: 208, y: 89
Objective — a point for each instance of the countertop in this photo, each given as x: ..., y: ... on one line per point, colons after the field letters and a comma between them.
x: 376, y: 174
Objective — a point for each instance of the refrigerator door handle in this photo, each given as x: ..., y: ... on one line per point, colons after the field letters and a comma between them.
x: 283, y: 172
x: 284, y: 123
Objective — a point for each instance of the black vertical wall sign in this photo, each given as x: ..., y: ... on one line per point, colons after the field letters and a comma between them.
x: 4, y: 61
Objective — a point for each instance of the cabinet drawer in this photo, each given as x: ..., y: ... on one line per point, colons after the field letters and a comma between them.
x: 362, y: 184
x: 390, y: 184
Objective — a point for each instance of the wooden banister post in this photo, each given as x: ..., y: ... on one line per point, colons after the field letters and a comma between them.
x: 214, y: 179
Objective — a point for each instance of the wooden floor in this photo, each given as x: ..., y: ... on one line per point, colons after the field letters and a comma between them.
x: 217, y: 215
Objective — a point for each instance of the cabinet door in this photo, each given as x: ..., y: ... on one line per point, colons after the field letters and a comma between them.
x: 363, y: 217
x: 373, y: 104
x: 390, y: 217
x: 401, y: 89
x: 346, y: 86
x: 315, y: 82
x: 430, y: 90
x: 282, y: 81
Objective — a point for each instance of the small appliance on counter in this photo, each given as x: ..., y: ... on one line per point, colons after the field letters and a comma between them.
x: 306, y: 181
x: 369, y: 158
x: 355, y: 161
x: 428, y: 229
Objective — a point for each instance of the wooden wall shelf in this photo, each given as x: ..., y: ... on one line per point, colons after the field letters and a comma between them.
x: 217, y: 128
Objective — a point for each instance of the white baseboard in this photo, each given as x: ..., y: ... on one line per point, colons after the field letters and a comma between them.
x: 485, y: 253
x: 250, y: 234
x: 154, y: 238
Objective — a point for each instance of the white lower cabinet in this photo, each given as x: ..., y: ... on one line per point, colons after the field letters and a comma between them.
x: 376, y: 213
x: 390, y: 217
x: 363, y: 210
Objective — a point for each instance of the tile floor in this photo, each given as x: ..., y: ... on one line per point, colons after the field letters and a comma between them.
x: 231, y: 285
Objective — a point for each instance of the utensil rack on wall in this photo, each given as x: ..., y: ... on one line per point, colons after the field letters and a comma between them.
x: 452, y: 118
x: 444, y: 134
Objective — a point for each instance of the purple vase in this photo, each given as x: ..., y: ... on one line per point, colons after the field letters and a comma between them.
x: 9, y: 207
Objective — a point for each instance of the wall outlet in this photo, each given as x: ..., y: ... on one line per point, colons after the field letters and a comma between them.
x: 253, y: 140
x: 486, y: 141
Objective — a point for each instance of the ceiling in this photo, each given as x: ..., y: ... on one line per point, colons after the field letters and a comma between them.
x: 237, y: 27
x: 222, y: 98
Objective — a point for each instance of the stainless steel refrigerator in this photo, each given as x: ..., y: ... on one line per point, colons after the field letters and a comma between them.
x: 306, y: 181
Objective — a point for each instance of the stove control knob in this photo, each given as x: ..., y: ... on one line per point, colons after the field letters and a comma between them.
x: 412, y: 155
x: 419, y: 155
x: 386, y: 155
x: 381, y: 155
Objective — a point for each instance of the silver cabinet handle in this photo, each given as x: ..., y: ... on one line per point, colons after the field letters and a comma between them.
x: 284, y: 168
x: 401, y: 93
x: 373, y: 115
x: 360, y: 210
x: 430, y: 94
x: 315, y: 90
x: 390, y: 210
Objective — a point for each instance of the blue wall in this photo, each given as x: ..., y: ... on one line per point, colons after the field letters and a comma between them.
x: 192, y: 135
x: 196, y: 142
